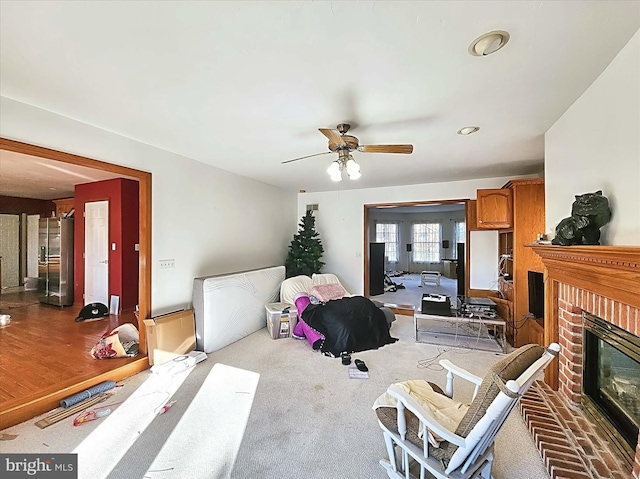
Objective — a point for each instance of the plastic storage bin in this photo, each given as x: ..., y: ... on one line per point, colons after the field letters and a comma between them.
x: 281, y: 319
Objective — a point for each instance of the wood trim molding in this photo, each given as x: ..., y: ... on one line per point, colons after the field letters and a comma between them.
x: 365, y: 252
x: 610, y: 271
x: 524, y: 181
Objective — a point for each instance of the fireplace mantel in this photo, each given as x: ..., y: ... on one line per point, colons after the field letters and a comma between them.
x: 606, y: 271
x: 601, y: 281
x: 610, y: 271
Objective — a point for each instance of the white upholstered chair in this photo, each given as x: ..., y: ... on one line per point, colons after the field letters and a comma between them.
x: 291, y: 287
x: 467, y: 452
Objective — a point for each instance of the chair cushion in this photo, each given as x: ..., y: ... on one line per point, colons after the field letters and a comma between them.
x: 388, y: 416
x: 291, y: 287
x: 325, y: 278
x: 508, y: 368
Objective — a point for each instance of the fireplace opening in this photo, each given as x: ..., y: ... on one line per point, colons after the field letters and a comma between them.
x: 611, y: 382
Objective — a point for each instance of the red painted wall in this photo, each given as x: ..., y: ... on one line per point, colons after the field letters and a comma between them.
x: 130, y: 237
x: 122, y: 195
x: 12, y: 205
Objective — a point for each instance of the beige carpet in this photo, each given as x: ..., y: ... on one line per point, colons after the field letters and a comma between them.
x: 308, y: 419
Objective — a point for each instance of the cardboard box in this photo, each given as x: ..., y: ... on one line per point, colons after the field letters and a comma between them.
x: 170, y: 335
x: 281, y: 319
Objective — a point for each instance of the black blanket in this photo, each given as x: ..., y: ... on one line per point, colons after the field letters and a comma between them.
x: 348, y: 325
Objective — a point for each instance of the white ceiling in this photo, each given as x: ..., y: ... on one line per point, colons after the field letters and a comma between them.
x: 26, y: 176
x: 246, y: 85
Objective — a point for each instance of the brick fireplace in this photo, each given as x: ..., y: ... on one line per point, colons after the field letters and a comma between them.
x: 605, y: 282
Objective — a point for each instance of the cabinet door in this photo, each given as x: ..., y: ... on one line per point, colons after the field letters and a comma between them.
x: 494, y: 209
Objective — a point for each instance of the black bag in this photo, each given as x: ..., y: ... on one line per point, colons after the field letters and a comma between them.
x: 92, y: 311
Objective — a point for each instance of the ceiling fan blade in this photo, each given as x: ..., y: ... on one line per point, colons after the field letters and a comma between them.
x: 333, y: 135
x: 308, y: 156
x: 386, y: 148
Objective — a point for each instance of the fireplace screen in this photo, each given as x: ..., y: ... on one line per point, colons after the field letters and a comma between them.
x: 611, y: 380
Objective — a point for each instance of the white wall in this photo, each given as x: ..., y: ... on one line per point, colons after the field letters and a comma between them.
x: 595, y: 145
x: 340, y: 219
x: 483, y: 267
x: 209, y: 220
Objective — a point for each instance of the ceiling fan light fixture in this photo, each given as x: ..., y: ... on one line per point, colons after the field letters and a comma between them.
x: 336, y: 177
x: 468, y: 130
x: 489, y: 43
x: 334, y: 168
x: 352, y: 166
x: 354, y: 175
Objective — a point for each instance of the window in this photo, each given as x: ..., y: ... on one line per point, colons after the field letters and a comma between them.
x: 426, y: 242
x: 387, y: 233
x: 459, y: 236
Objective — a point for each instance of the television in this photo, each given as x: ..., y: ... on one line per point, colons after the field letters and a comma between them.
x: 536, y: 294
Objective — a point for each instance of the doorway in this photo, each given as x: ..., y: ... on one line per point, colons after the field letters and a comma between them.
x: 45, y: 397
x: 418, y: 237
x: 144, y: 181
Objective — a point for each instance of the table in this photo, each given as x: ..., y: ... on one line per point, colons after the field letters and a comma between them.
x: 498, y: 324
x: 430, y: 276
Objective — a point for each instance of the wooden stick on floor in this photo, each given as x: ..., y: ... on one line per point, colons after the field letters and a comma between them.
x: 70, y: 411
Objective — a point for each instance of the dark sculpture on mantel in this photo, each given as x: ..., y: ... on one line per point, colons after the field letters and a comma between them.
x: 589, y: 213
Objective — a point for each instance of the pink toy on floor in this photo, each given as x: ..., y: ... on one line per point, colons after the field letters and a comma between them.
x: 302, y: 329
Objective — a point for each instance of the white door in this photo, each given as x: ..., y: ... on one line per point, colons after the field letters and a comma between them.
x: 96, y: 252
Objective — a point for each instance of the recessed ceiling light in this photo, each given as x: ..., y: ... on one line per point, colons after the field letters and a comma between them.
x: 467, y: 130
x: 489, y: 43
x: 52, y: 189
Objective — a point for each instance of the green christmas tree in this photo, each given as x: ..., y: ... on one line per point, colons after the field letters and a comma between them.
x: 305, y: 249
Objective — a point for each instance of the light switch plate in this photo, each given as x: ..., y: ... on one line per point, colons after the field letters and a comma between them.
x: 167, y: 263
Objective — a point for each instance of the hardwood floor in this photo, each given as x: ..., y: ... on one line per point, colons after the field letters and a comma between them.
x: 44, y: 356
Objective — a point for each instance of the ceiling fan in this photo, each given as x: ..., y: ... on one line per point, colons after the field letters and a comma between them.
x: 344, y: 144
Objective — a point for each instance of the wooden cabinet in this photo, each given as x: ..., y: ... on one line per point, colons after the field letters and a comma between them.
x: 517, y: 260
x: 536, y: 332
x: 64, y: 206
x: 471, y: 216
x: 494, y: 208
